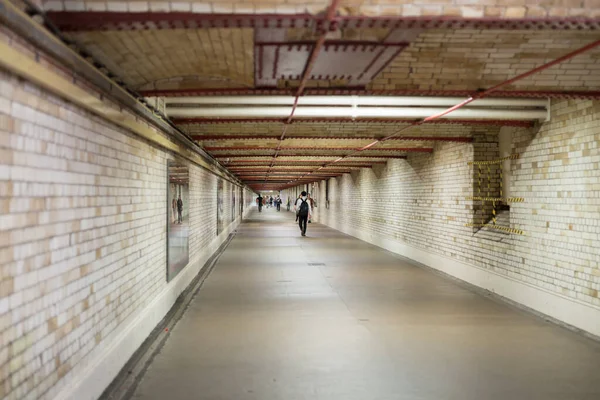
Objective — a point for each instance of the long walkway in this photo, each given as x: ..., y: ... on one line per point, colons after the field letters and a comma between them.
x: 327, y: 316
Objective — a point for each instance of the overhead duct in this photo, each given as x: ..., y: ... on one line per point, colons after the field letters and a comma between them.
x: 358, y: 112
x: 391, y: 101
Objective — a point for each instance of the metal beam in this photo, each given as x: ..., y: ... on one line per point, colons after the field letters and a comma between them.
x: 89, y: 21
x: 286, y: 171
x: 261, y: 178
x: 279, y: 180
x: 267, y: 156
x: 263, y: 148
x: 490, y: 122
x: 289, y: 173
x: 300, y: 163
x: 293, y: 167
x: 219, y: 138
x: 361, y: 91
x: 285, y: 181
x: 247, y: 178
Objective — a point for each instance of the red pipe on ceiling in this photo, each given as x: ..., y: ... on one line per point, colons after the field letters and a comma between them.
x: 485, y: 93
x: 480, y: 95
x: 541, y: 68
x: 329, y: 18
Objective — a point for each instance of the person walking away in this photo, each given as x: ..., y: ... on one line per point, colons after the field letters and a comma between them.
x: 296, y: 208
x: 303, y: 211
x: 271, y: 201
x: 179, y: 210
x: 289, y: 204
x: 259, y: 202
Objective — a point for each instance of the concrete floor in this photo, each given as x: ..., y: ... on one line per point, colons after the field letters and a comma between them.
x: 330, y: 317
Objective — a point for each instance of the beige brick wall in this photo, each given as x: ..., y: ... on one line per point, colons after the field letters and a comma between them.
x: 421, y: 202
x: 82, y: 235
x: 249, y: 200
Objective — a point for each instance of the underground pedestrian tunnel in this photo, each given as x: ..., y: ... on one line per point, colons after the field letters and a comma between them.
x: 449, y: 152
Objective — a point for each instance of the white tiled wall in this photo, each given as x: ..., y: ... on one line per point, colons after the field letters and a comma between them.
x: 418, y: 208
x: 83, y: 243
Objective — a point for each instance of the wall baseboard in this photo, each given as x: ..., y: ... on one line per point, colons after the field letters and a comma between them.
x: 109, y: 357
x: 564, y: 310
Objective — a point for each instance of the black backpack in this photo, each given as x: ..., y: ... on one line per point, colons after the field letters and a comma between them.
x: 303, y: 210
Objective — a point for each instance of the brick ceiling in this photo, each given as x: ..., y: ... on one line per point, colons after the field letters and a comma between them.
x: 443, y: 47
x: 211, y: 57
